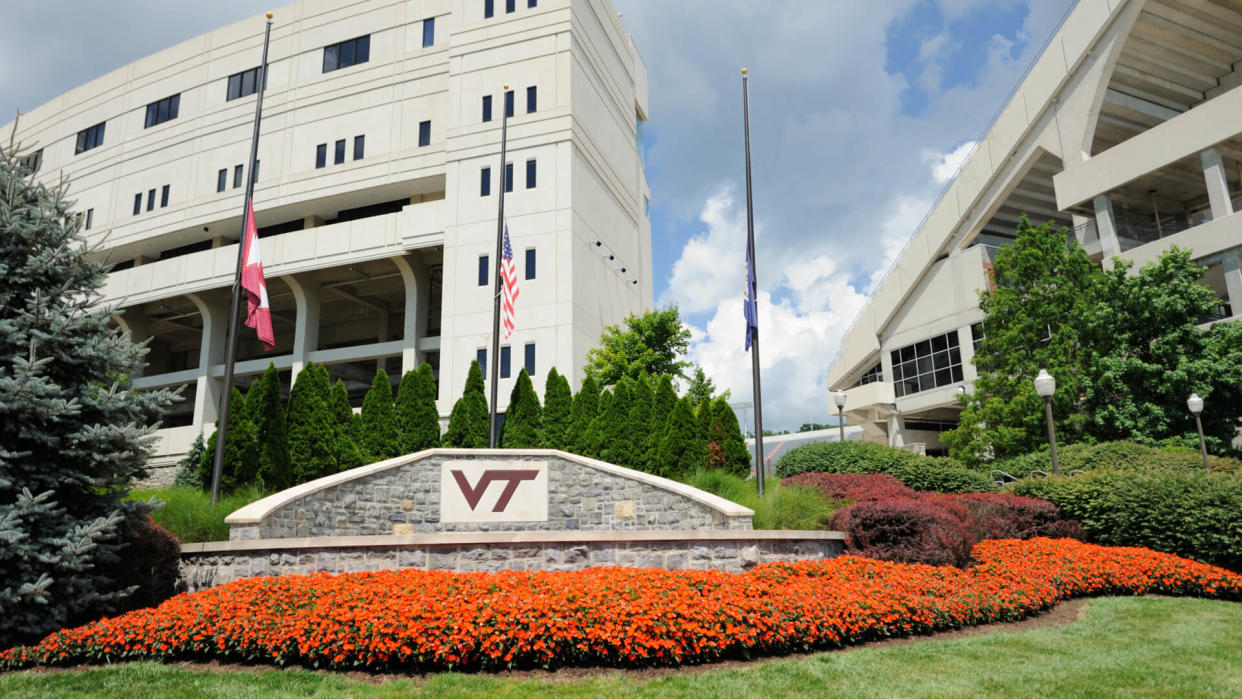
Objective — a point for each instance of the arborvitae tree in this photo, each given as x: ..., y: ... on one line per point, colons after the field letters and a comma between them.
x: 662, y: 402
x: 616, y: 443
x: 73, y: 433
x: 733, y: 446
x: 403, y: 409
x: 679, y: 453
x: 593, y: 439
x: 312, y: 430
x: 187, y: 467
x: 417, y: 417
x: 241, y: 456
x: 380, y: 438
x: 468, y: 422
x: 703, y: 416
x: 523, y: 417
x: 557, y: 406
x: 347, y: 453
x: 637, y: 422
x: 586, y: 405
x: 267, y: 412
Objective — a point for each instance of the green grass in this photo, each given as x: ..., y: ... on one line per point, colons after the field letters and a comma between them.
x: 1126, y: 647
x: 781, y: 507
x: 187, y: 512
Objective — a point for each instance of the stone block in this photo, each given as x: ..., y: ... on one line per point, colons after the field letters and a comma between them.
x: 442, y: 560
x: 749, y: 556
x: 405, y: 529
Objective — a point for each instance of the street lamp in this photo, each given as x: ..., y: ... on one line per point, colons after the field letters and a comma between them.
x: 1195, y: 403
x: 839, y: 399
x: 1045, y: 386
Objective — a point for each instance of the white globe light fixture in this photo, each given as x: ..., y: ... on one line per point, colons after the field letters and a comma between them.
x: 1045, y: 386
x: 1195, y: 404
x: 838, y: 397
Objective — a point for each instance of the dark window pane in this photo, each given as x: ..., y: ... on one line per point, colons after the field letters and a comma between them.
x: 482, y: 270
x: 237, y: 176
x: 138, y: 203
x: 532, y: 3
x: 530, y: 359
x: 321, y: 155
x: 329, y: 58
x: 504, y: 362
x: 247, y: 86
x: 509, y: 103
x: 359, y: 146
x: 530, y: 263
x: 234, y: 87
x: 162, y: 116
x: 254, y: 172
x: 489, y: 8
x: 487, y: 108
x: 508, y: 177
x: 150, y: 199
x: 164, y: 197
x: 174, y: 107
x: 955, y: 356
x: 429, y: 31
x: 957, y: 373
x: 953, y: 341
x: 151, y: 114
x: 481, y: 356
x: 90, y: 218
x: 510, y: 5
x: 944, y: 377
x: 530, y: 174
x: 424, y: 133
x: 939, y: 343
x: 485, y: 182
x: 346, y: 54
x: 923, y: 348
x: 338, y: 154
x: 531, y: 99
x: 362, y: 52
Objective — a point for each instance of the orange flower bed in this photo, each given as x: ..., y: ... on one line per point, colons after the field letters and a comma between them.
x: 419, y: 620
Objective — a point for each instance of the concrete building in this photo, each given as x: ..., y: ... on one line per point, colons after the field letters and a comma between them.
x: 1128, y: 130
x: 376, y: 191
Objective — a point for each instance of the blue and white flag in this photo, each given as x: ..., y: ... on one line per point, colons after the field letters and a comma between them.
x: 749, y: 306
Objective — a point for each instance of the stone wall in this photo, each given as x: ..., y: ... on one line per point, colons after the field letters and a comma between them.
x: 423, y: 493
x: 215, y: 563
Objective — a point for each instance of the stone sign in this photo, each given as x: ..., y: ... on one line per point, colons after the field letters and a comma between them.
x: 493, y: 491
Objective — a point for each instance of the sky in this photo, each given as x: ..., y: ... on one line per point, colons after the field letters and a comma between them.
x: 860, y: 111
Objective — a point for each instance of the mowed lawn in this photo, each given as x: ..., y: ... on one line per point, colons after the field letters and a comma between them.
x: 1149, y: 646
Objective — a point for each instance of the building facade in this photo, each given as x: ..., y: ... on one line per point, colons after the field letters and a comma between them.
x: 1128, y: 131
x: 375, y: 193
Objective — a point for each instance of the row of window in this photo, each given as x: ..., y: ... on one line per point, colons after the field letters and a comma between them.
x: 874, y: 375
x: 532, y: 103
x: 338, y: 156
x: 485, y: 280
x: 922, y: 366
x: 150, y: 201
x: 489, y: 7
x: 222, y: 176
x: 529, y: 363
x: 485, y: 178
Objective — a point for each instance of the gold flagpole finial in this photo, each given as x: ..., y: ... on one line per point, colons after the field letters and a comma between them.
x: 269, y: 15
x: 506, y: 87
x: 743, y: 71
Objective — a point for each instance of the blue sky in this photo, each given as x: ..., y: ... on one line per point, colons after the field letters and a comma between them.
x: 861, y: 111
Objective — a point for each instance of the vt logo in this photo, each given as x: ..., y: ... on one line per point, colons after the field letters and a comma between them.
x: 510, y: 477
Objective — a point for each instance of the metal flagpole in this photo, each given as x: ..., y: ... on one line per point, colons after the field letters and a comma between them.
x: 230, y: 355
x: 752, y: 273
x: 500, y: 234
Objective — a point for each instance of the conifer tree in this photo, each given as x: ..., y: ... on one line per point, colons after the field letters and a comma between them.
x: 380, y: 438
x: 523, y: 416
x: 616, y: 443
x: 424, y: 432
x: 733, y: 446
x: 594, y: 438
x: 241, y: 456
x: 267, y: 413
x: 313, y: 434
x: 403, y: 410
x: 73, y: 432
x: 344, y: 448
x: 710, y: 445
x: 585, y: 407
x: 468, y: 422
x: 662, y: 402
x: 557, y: 408
x: 679, y: 454
x: 637, y: 423
x: 187, y: 467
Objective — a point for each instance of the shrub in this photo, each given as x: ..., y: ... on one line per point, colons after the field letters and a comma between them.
x: 853, y: 487
x: 380, y: 437
x: 149, y: 561
x: 418, y: 420
x: 558, y: 403
x: 905, y: 530
x: 1126, y: 456
x: 1007, y: 516
x: 916, y: 471
x: 266, y: 411
x: 187, y: 513
x: 468, y: 423
x: 1189, y: 513
x: 523, y: 417
x: 781, y: 507
x: 583, y: 412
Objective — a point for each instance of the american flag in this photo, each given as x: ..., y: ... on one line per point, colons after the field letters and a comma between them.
x: 509, y: 287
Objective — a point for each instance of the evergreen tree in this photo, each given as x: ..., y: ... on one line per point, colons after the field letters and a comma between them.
x: 313, y: 435
x: 523, y: 417
x: 617, y: 444
x: 637, y: 422
x: 344, y: 448
x: 557, y: 408
x: 468, y: 425
x: 679, y: 453
x: 662, y: 402
x: 267, y: 412
x: 73, y: 432
x: 701, y: 388
x: 733, y: 445
x: 710, y: 444
x: 594, y: 439
x: 585, y: 407
x: 241, y: 456
x: 380, y: 438
x: 187, y: 468
x: 421, y: 425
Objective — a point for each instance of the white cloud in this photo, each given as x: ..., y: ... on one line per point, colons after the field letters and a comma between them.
x: 712, y: 264
x: 945, y: 165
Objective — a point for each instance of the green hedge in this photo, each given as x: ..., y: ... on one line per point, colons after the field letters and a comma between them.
x: 916, y: 471
x: 187, y: 511
x: 1128, y: 456
x: 1189, y: 513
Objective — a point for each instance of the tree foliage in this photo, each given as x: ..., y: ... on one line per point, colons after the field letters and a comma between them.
x: 523, y: 416
x: 557, y: 408
x: 379, y: 439
x: 614, y: 442
x: 344, y: 419
x: 241, y: 456
x: 663, y: 399
x: 701, y: 388
x: 418, y: 420
x: 267, y: 413
x: 735, y: 457
x: 637, y: 422
x: 468, y: 422
x: 653, y: 342
x: 681, y: 448
x: 314, y: 432
x: 581, y: 416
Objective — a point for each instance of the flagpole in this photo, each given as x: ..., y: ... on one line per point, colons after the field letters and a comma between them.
x: 230, y: 355
x: 752, y: 274
x: 492, y: 437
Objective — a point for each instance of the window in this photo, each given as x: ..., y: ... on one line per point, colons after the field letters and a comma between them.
x: 254, y: 172
x: 359, y: 146
x: 429, y: 32
x: 530, y: 174
x: 164, y: 197
x: 90, y: 138
x: 138, y: 203
x: 222, y: 179
x: 150, y: 199
x: 321, y: 155
x: 976, y: 334
x: 424, y: 133
x: 873, y: 375
x: 237, y: 176
x: 347, y: 53
x: 510, y: 6
x: 509, y: 103
x: 646, y: 206
x: 485, y: 182
x: 489, y: 8
x: 532, y: 99
x: 530, y: 263
x: 32, y: 162
x: 504, y: 362
x: 162, y: 111
x: 508, y: 177
x: 530, y: 358
x: 480, y: 355
x: 482, y: 270
x: 532, y: 3
x: 338, y: 152
x: 90, y: 218
x: 925, y: 365
x: 487, y: 108
x: 243, y: 84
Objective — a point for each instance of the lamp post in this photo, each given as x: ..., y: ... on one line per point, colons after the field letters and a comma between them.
x: 1045, y: 386
x: 839, y: 399
x: 1195, y: 403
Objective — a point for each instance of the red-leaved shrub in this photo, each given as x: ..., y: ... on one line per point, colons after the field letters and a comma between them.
x: 906, y: 530
x: 1006, y: 516
x: 855, y: 487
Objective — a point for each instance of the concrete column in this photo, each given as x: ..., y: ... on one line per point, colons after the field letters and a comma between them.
x: 966, y: 344
x: 896, y: 430
x: 306, y: 294
x: 214, y: 309
x: 1233, y: 281
x: 132, y: 322
x: 414, y: 275
x: 1106, y: 224
x: 1217, y: 184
